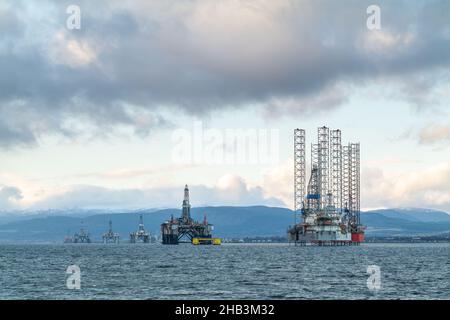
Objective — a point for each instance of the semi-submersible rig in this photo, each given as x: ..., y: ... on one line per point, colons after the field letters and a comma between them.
x: 141, y: 235
x: 111, y: 236
x: 327, y: 210
x: 185, y: 228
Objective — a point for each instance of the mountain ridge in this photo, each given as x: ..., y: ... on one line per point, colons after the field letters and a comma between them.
x: 229, y: 221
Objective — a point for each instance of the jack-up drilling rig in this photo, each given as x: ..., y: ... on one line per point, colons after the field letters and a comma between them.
x: 175, y: 230
x: 328, y: 208
x: 111, y: 236
x: 140, y: 235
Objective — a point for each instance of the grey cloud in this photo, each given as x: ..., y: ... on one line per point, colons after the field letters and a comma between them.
x: 8, y: 194
x: 204, y: 55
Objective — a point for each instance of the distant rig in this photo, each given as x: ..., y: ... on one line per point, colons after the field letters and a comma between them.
x: 141, y: 235
x: 79, y: 237
x: 174, y: 231
x: 327, y: 210
x: 111, y: 236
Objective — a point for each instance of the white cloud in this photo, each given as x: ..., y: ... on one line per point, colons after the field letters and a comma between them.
x: 421, y: 188
x: 384, y: 42
x: 31, y: 192
x: 278, y: 182
x: 229, y: 190
x: 424, y: 188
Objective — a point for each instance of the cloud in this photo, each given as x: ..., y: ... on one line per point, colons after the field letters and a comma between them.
x: 9, y: 196
x: 128, y: 173
x: 434, y: 134
x: 229, y: 190
x: 71, y: 52
x: 426, y: 188
x: 423, y: 188
x: 234, y: 190
x: 278, y: 182
x: 307, y: 105
x: 131, y: 58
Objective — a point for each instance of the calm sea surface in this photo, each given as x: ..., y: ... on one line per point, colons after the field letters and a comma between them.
x: 408, y: 271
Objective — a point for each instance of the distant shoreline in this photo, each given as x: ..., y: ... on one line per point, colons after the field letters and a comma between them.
x: 232, y: 241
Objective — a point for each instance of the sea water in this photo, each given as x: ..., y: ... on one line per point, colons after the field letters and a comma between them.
x: 230, y: 271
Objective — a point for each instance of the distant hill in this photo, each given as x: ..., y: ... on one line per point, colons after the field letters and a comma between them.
x: 229, y: 222
x: 406, y: 222
x: 393, y: 223
x: 415, y: 214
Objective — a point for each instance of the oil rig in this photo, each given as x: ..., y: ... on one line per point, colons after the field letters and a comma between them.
x: 110, y: 236
x: 82, y: 237
x: 327, y: 210
x: 175, y: 230
x: 140, y: 235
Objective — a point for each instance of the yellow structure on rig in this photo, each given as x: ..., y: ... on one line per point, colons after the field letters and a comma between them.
x: 213, y: 241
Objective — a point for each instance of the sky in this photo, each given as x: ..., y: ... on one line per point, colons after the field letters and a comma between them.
x: 147, y: 96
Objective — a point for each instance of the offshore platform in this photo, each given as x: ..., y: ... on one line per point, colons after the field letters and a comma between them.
x: 111, y: 236
x: 327, y: 210
x: 175, y: 230
x: 140, y: 235
x: 82, y: 237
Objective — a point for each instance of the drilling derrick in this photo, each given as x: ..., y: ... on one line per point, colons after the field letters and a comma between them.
x: 336, y: 168
x: 323, y: 164
x: 186, y: 207
x: 186, y: 229
x: 354, y: 206
x: 299, y: 171
x: 141, y: 235
x: 330, y: 209
x: 110, y: 236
